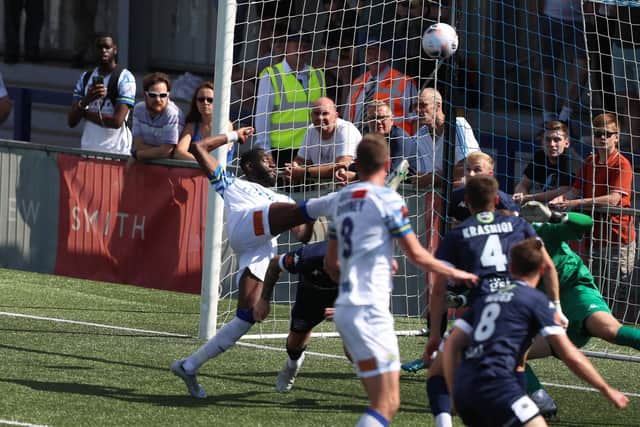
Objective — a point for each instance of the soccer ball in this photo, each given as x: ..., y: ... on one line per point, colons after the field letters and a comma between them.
x: 440, y: 41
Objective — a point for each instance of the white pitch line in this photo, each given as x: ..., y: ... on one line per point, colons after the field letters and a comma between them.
x: 97, y: 325
x: 243, y: 344
x: 583, y: 388
x: 18, y: 423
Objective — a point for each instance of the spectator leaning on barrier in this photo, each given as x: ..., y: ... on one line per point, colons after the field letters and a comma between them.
x: 380, y: 81
x: 157, y: 121
x: 5, y: 102
x: 198, y: 123
x: 329, y: 144
x: 379, y: 119
x: 429, y: 153
x: 103, y: 97
x: 285, y: 94
x: 605, y: 181
x: 550, y: 173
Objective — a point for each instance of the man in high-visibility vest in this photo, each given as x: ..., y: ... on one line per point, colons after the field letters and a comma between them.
x: 381, y: 82
x: 286, y: 92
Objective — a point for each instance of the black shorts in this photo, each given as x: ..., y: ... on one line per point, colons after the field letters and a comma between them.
x: 308, y: 310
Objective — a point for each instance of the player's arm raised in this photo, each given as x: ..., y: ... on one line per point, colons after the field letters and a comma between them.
x: 263, y: 305
x: 420, y: 257
x: 580, y: 365
x: 202, y: 148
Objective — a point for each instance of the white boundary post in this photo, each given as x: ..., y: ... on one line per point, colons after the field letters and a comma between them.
x: 212, y: 259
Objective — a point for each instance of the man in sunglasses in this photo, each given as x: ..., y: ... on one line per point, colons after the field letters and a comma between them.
x: 103, y: 97
x: 605, y: 182
x: 157, y: 121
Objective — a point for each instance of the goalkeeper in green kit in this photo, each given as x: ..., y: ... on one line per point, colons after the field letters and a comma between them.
x: 582, y: 303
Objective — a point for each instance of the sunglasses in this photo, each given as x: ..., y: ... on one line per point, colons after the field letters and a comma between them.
x: 206, y: 99
x: 378, y: 118
x: 601, y: 133
x: 154, y: 95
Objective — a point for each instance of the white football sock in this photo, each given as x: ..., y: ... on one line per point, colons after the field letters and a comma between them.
x: 443, y: 419
x: 225, y: 338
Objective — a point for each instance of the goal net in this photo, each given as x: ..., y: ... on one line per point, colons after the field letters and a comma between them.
x: 519, y: 64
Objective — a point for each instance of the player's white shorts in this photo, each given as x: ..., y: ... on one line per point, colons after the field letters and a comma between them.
x: 252, y: 241
x: 367, y: 332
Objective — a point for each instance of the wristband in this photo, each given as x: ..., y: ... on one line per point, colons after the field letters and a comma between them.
x: 82, y: 106
x: 232, y: 136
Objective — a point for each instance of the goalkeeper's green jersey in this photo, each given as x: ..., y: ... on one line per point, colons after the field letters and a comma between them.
x: 571, y: 269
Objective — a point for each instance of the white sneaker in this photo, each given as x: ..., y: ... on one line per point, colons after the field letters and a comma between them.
x: 287, y: 375
x: 190, y: 380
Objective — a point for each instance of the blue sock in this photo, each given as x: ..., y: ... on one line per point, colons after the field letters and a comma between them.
x: 438, y: 394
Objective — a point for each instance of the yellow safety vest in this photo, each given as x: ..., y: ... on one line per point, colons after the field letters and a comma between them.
x: 292, y: 105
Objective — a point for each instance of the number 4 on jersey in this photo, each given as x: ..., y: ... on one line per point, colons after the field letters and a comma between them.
x: 492, y: 254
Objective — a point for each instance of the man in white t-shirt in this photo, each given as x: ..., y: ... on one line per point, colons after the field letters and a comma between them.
x: 255, y: 216
x: 328, y: 145
x: 5, y: 102
x: 366, y: 217
x: 104, y: 104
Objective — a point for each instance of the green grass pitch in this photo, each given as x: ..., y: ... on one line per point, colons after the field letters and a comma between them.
x: 69, y: 374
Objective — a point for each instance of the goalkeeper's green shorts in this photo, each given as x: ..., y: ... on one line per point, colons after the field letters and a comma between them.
x: 578, y: 303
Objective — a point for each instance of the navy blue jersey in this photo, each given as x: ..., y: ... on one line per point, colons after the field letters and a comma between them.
x: 481, y: 245
x: 458, y: 208
x: 501, y: 327
x: 308, y: 262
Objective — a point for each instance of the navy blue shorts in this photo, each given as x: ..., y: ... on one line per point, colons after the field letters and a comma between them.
x: 308, y: 310
x: 493, y: 403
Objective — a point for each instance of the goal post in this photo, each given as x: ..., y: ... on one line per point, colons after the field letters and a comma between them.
x: 495, y: 82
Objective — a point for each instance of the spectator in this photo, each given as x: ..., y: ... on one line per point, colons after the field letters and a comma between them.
x: 604, y: 181
x: 34, y: 9
x: 329, y: 144
x: 550, y: 173
x: 476, y: 163
x: 382, y: 82
x: 562, y: 44
x: 285, y: 94
x: 103, y: 97
x: 157, y: 121
x: 429, y: 153
x: 198, y: 123
x: 380, y: 120
x: 84, y: 17
x: 5, y: 102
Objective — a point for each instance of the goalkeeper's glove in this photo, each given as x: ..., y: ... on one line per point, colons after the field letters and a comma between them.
x: 563, y: 318
x: 558, y: 217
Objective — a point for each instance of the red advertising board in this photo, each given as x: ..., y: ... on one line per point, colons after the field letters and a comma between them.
x: 142, y: 227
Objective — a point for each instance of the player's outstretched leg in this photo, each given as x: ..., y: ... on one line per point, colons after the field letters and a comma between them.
x: 225, y: 338
x: 602, y: 324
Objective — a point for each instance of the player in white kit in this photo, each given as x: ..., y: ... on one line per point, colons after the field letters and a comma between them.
x: 366, y: 216
x: 255, y: 216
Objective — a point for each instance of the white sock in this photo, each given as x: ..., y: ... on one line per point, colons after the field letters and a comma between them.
x: 548, y: 116
x: 319, y: 206
x: 443, y: 419
x: 368, y: 420
x: 565, y: 114
x: 295, y: 363
x: 225, y: 338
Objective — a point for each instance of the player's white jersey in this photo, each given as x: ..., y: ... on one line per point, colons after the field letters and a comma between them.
x: 365, y: 219
x: 241, y: 196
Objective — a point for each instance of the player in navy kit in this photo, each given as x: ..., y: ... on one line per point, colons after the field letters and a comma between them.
x: 315, y: 294
x: 479, y: 244
x: 487, y: 346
